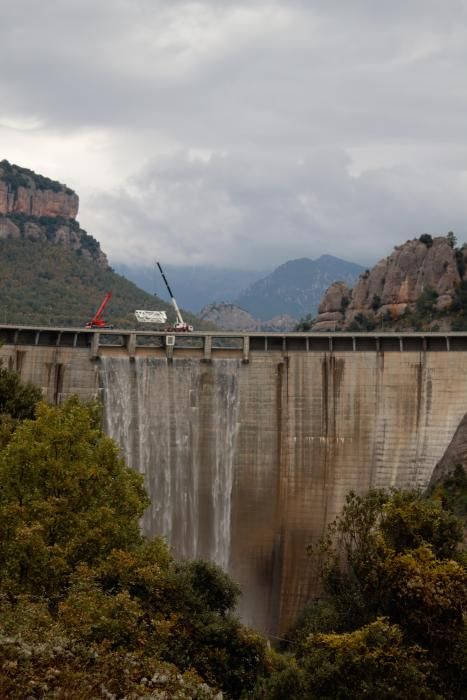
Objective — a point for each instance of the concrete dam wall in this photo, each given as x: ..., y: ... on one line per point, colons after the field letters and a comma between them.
x: 248, y: 452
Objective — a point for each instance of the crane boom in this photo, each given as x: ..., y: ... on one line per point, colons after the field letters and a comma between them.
x: 180, y: 325
x: 174, y: 303
x: 96, y: 321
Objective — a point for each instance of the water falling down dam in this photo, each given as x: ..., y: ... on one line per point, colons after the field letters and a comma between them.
x: 249, y: 444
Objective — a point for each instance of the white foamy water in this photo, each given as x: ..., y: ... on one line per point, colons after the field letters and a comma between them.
x: 177, y: 424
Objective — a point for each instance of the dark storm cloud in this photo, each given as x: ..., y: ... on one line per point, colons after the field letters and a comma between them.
x: 224, y: 131
x: 252, y: 213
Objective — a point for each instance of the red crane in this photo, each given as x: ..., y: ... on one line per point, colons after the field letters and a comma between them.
x: 97, y: 321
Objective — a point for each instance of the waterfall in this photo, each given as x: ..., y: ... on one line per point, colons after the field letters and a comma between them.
x: 177, y: 424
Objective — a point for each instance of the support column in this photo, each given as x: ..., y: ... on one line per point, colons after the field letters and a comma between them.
x: 207, y: 348
x: 95, y: 346
x: 130, y: 343
x: 246, y: 349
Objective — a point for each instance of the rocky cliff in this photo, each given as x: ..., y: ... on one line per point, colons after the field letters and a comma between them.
x: 34, y: 207
x: 426, y: 271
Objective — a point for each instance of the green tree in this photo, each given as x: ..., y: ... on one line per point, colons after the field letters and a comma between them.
x: 17, y: 399
x: 66, y: 497
x: 17, y: 402
x: 426, y: 239
x: 371, y: 662
x: 426, y: 301
x: 399, y: 555
x: 69, y: 519
x: 305, y: 324
x: 40, y: 659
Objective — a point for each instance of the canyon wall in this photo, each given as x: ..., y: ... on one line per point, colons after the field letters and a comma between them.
x: 246, y: 462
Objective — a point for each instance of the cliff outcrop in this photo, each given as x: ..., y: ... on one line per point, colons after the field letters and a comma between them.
x: 34, y: 207
x: 392, y: 289
x: 24, y: 192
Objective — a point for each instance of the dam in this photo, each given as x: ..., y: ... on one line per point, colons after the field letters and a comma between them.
x: 248, y: 443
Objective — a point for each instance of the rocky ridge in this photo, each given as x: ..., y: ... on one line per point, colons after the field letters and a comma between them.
x: 34, y: 207
x: 230, y: 317
x: 392, y: 289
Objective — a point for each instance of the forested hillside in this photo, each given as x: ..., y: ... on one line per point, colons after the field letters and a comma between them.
x: 45, y: 283
x: 52, y: 272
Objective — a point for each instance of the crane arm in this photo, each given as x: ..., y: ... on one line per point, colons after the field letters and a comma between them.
x: 101, y: 308
x: 174, y: 303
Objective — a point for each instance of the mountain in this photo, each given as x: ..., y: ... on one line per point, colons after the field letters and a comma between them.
x: 51, y: 270
x: 230, y: 317
x: 422, y: 285
x: 295, y: 288
x: 194, y: 287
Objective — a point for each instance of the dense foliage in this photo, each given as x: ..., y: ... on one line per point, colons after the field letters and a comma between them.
x: 88, y: 607
x: 392, y: 622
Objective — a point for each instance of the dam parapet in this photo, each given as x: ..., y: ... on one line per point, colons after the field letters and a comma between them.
x: 208, y: 344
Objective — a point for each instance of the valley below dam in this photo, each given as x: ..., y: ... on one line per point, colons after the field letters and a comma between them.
x: 248, y: 455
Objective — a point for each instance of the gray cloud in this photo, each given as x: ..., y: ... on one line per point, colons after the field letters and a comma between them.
x: 241, y: 132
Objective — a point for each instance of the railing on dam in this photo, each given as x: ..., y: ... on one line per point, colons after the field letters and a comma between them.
x: 209, y: 344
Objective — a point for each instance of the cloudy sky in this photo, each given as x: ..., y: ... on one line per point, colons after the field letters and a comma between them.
x: 242, y: 133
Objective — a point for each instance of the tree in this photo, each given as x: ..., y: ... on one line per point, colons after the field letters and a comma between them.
x: 425, y: 301
x: 371, y: 662
x: 452, y: 240
x: 426, y: 239
x: 180, y: 612
x: 17, y: 402
x: 305, y: 324
x: 397, y: 555
x: 40, y: 659
x: 72, y: 556
x: 17, y: 399
x: 66, y: 497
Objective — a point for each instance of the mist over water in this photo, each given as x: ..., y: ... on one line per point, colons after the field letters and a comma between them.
x: 181, y: 435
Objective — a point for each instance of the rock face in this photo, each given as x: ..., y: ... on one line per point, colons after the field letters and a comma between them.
x: 229, y: 317
x: 331, y: 311
x: 394, y: 284
x: 24, y: 192
x: 279, y: 324
x: 34, y: 207
x: 34, y: 202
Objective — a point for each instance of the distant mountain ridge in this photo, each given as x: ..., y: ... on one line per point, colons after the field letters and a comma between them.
x: 194, y: 286
x: 296, y: 287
